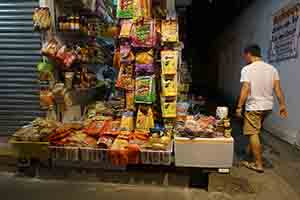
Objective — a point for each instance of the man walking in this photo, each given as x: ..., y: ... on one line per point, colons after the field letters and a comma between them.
x: 259, y: 80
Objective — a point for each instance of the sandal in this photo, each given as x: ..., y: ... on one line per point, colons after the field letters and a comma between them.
x: 253, y: 167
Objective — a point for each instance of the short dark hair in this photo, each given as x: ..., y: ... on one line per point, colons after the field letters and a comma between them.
x: 253, y: 49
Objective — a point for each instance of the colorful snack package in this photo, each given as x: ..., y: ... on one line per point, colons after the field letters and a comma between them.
x: 130, y: 100
x: 145, y: 57
x: 145, y: 89
x: 125, y: 9
x: 143, y: 33
x: 169, y: 31
x: 168, y: 107
x: 169, y: 86
x: 126, y: 26
x: 144, y: 120
x: 127, y: 123
x: 125, y: 78
x: 126, y: 54
x: 142, y: 8
x: 169, y: 62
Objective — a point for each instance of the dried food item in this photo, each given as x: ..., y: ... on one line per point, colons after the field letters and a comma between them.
x: 41, y: 18
x: 51, y: 48
x: 95, y: 128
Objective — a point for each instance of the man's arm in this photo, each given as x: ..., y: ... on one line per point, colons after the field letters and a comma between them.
x: 245, y: 90
x: 281, y: 99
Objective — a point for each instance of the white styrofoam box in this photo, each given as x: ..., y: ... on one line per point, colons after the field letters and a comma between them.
x: 204, y: 152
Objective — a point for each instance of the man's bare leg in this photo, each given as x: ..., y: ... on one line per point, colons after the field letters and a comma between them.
x: 256, y: 150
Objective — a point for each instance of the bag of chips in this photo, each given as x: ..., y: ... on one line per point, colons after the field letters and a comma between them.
x: 169, y: 31
x: 125, y: 9
x: 169, y: 85
x: 126, y: 54
x: 130, y: 100
x: 145, y: 89
x: 127, y: 123
x: 125, y: 78
x: 169, y: 62
x: 143, y: 33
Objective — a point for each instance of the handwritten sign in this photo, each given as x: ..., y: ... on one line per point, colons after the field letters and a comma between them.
x: 285, y: 33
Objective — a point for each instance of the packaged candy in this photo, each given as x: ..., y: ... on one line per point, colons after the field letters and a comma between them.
x: 127, y: 123
x: 169, y: 61
x: 126, y: 26
x: 144, y: 69
x: 145, y: 57
x: 125, y: 9
x: 168, y: 107
x: 125, y: 78
x: 144, y: 120
x: 169, y: 85
x: 130, y: 100
x: 41, y: 19
x: 142, y: 8
x: 169, y: 31
x: 126, y: 54
x: 145, y: 89
x: 143, y: 33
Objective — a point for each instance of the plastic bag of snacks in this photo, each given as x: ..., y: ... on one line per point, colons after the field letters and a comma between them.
x: 145, y: 89
x: 169, y: 31
x: 144, y: 119
x: 145, y: 57
x: 130, y: 100
x: 51, y: 48
x: 46, y: 99
x: 126, y: 54
x: 143, y: 33
x: 169, y: 86
x: 142, y: 8
x: 125, y: 78
x: 126, y: 26
x: 169, y: 61
x: 125, y: 9
x: 41, y: 19
x: 144, y: 69
x: 127, y: 123
x: 168, y: 107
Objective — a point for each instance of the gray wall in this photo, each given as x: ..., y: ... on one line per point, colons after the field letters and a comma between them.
x: 254, y: 25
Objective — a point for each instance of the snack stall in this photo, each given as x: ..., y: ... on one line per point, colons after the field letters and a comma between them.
x: 116, y: 90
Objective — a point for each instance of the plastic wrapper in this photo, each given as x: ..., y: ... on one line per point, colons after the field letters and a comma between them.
x: 168, y: 108
x: 125, y: 9
x: 51, y: 48
x: 41, y: 19
x: 144, y: 57
x: 169, y: 31
x: 130, y: 100
x: 169, y: 86
x: 46, y: 99
x: 127, y: 123
x: 145, y: 90
x: 126, y: 26
x: 126, y: 54
x: 144, y: 120
x: 125, y: 78
x: 143, y: 8
x: 169, y: 62
x: 143, y: 33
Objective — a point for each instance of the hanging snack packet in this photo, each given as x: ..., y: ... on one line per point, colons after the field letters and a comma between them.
x: 125, y: 9
x: 143, y: 33
x: 144, y: 57
x: 169, y: 31
x: 169, y: 86
x: 169, y: 61
x: 127, y: 123
x: 117, y: 58
x: 168, y: 108
x: 51, y: 48
x: 126, y: 26
x: 41, y: 19
x: 144, y: 120
x: 144, y: 89
x: 142, y: 8
x: 125, y: 78
x: 130, y: 100
x: 126, y: 54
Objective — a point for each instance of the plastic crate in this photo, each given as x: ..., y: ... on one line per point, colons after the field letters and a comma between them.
x: 154, y: 157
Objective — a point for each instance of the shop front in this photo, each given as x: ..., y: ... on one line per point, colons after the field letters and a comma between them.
x: 115, y: 87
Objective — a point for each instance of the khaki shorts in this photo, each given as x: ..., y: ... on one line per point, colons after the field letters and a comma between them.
x: 253, y: 121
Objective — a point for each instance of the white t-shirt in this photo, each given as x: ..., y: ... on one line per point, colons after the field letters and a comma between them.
x: 261, y: 77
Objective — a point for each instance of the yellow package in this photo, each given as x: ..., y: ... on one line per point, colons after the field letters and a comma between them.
x: 127, y: 123
x: 169, y: 31
x: 144, y: 120
x: 168, y: 108
x: 169, y: 62
x: 169, y: 86
x: 130, y: 100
